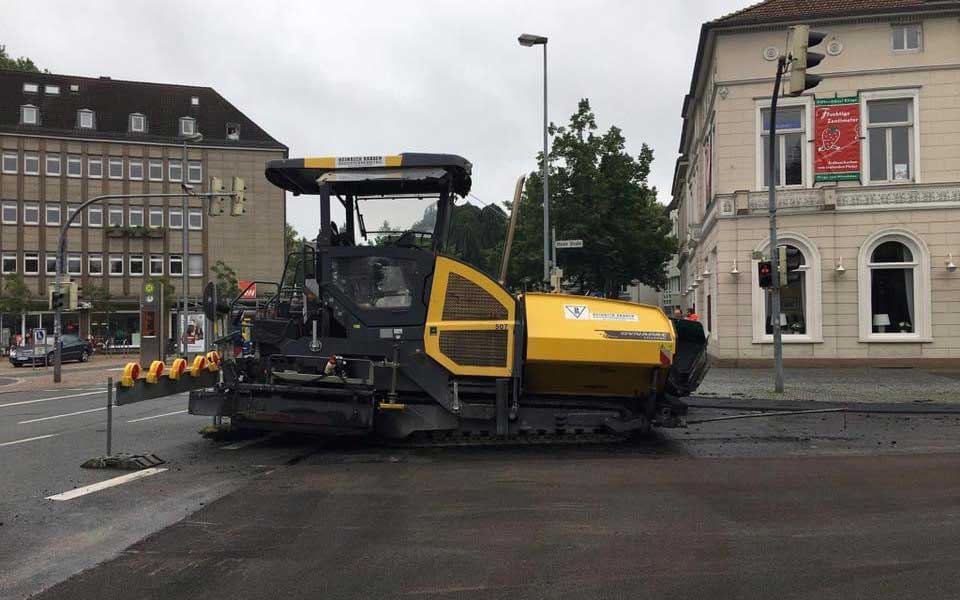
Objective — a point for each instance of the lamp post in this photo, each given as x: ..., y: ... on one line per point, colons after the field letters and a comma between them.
x: 528, y: 40
x: 184, y: 264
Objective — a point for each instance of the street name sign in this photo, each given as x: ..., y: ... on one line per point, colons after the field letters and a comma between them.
x: 568, y: 244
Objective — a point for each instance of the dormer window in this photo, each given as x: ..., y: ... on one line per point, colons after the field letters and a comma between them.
x: 51, y: 90
x: 195, y: 100
x: 138, y: 123
x: 188, y: 126
x: 29, y: 115
x: 85, y: 118
x: 233, y: 132
x: 31, y: 88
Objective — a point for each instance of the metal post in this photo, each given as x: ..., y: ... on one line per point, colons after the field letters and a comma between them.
x: 58, y: 290
x: 547, y: 256
x: 186, y: 255
x: 774, y: 267
x: 109, y: 415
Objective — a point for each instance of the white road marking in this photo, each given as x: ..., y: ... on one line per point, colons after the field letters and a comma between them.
x: 39, y: 437
x: 79, y: 412
x: 109, y: 483
x: 22, y: 402
x: 244, y: 444
x: 176, y: 412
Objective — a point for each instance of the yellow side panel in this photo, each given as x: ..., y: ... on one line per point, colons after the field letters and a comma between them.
x: 470, y: 322
x: 592, y: 346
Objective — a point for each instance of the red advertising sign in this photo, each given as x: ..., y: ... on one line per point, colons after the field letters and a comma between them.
x: 837, y: 139
x: 248, y: 293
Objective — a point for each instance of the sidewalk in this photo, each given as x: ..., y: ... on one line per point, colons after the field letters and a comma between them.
x: 73, y: 374
x: 840, y: 385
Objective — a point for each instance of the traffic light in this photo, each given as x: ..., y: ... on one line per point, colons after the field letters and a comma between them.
x: 799, y: 39
x: 56, y: 301
x: 765, y: 274
x: 220, y: 193
x: 237, y: 208
x: 789, y: 262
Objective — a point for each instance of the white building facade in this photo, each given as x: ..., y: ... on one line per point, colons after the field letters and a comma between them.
x: 868, y: 185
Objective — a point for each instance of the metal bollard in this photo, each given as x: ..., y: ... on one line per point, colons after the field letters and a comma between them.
x: 109, y: 415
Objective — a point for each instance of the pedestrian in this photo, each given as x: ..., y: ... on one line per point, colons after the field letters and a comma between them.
x: 692, y: 315
x: 677, y: 314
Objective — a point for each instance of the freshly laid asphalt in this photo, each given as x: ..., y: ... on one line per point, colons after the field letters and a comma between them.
x: 816, y: 506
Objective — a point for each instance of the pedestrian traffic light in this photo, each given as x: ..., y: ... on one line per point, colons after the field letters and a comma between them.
x: 765, y: 274
x: 237, y: 208
x: 220, y: 193
x: 56, y: 301
x: 799, y: 39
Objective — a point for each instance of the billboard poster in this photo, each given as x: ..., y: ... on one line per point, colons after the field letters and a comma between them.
x: 837, y: 139
x: 194, y: 331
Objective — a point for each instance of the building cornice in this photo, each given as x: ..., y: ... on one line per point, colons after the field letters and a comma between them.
x: 141, y: 142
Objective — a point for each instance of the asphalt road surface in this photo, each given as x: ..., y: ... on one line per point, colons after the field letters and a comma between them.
x: 820, y: 506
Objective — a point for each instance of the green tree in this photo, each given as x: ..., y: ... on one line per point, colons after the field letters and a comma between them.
x: 16, y: 64
x: 598, y: 193
x: 225, y: 278
x: 15, y: 298
x: 292, y: 240
x: 100, y: 300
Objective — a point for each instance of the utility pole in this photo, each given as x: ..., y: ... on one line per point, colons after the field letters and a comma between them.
x: 549, y: 257
x: 798, y: 60
x: 185, y: 263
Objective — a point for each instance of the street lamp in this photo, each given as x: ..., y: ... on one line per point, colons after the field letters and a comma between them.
x: 528, y: 40
x: 185, y: 263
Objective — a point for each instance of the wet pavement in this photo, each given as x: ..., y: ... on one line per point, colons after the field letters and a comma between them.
x: 814, y: 506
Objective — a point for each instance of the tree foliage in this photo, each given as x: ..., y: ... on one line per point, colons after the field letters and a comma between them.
x: 15, y: 297
x: 21, y: 63
x: 598, y: 193
x: 225, y: 278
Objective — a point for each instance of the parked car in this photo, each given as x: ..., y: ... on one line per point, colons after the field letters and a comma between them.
x: 72, y: 348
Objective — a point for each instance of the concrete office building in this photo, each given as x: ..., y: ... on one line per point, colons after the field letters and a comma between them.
x: 66, y: 139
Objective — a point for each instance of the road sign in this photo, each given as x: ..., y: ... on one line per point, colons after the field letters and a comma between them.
x: 40, y: 337
x: 568, y: 244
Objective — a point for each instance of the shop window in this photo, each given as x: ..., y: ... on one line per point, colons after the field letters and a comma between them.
x: 894, y: 280
x: 801, y: 317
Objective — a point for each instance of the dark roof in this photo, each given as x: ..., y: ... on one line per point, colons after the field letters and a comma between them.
x: 114, y: 100
x: 410, y: 173
x: 776, y: 11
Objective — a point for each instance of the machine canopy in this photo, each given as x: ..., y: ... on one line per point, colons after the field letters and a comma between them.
x: 407, y: 174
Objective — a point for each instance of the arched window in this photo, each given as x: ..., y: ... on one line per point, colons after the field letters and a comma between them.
x: 894, y: 288
x: 801, y: 316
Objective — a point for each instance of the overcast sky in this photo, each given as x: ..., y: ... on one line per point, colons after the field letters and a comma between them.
x: 360, y: 77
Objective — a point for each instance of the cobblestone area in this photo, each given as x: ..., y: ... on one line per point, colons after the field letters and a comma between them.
x: 877, y: 385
